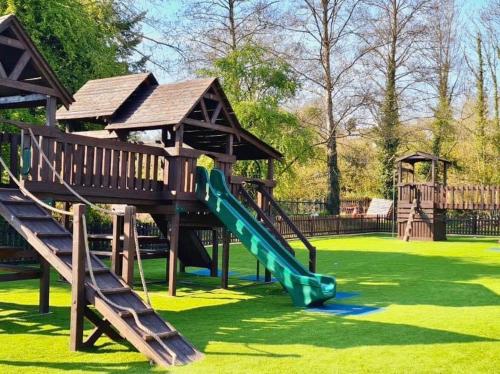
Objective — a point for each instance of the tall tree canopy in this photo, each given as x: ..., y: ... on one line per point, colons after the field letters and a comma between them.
x: 81, y: 39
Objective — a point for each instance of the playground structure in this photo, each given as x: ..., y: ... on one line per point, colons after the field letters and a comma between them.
x: 422, y: 206
x: 181, y: 122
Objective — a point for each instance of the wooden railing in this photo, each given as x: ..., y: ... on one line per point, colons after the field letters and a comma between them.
x: 452, y: 197
x: 470, y: 197
x: 105, y: 170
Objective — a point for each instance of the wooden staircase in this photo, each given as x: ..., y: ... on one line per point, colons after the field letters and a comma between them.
x: 54, y: 243
x: 409, y: 223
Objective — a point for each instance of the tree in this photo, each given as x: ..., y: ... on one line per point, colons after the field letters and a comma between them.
x: 212, y: 29
x: 442, y: 56
x: 395, y: 31
x: 324, y: 55
x: 81, y: 39
x: 257, y: 85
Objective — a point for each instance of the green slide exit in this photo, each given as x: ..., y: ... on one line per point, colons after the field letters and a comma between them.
x: 305, y: 287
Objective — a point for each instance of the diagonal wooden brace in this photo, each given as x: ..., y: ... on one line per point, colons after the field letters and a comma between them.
x: 102, y: 327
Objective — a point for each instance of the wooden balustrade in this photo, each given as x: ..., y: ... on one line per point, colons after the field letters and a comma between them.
x: 96, y: 168
x: 453, y: 197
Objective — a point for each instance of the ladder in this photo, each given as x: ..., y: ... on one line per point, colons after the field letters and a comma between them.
x: 409, y: 223
x: 55, y: 244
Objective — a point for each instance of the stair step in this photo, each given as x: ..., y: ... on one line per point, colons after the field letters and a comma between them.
x: 161, y: 335
x: 16, y: 202
x: 114, y: 291
x: 98, y: 271
x: 126, y: 314
x: 63, y: 252
x: 34, y: 217
x: 47, y: 235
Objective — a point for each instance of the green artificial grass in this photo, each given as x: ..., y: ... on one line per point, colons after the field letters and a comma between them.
x: 440, y: 301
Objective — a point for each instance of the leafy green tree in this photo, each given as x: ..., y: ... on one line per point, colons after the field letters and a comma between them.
x: 81, y: 39
x: 257, y: 85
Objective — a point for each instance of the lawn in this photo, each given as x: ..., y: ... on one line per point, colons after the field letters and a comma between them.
x: 437, y: 310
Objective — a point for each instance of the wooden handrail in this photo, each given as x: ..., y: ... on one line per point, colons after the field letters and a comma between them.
x: 303, y: 239
x: 267, y: 222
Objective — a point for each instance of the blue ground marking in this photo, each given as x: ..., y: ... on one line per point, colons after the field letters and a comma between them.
x: 495, y: 249
x: 347, y: 310
x: 206, y: 272
x: 253, y: 278
x: 346, y: 295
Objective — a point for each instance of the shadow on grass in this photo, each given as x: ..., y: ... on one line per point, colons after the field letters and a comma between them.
x: 264, y: 314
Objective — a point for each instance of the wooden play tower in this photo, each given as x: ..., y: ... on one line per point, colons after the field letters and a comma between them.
x: 422, y: 204
x: 178, y: 124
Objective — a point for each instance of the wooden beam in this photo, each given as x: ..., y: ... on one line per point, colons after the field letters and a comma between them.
x: 216, y: 113
x: 173, y: 238
x: 116, y: 250
x: 129, y: 246
x: 50, y: 113
x: 213, y: 126
x: 78, y: 279
x: 28, y: 87
x: 215, y: 254
x: 225, y: 258
x: 3, y: 73
x: 14, y: 43
x: 204, y: 110
x: 21, y: 64
x: 44, y: 286
x: 21, y: 99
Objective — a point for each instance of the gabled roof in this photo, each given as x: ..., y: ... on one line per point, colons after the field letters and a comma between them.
x: 420, y: 156
x: 167, y: 104
x: 137, y: 102
x: 101, y: 98
x: 23, y: 69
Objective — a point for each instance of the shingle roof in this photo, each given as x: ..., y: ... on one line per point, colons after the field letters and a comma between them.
x: 103, y: 97
x: 420, y: 156
x: 166, y: 104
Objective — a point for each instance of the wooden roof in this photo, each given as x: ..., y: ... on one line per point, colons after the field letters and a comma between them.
x: 166, y: 104
x: 23, y: 69
x: 421, y: 156
x: 137, y: 103
x: 101, y: 98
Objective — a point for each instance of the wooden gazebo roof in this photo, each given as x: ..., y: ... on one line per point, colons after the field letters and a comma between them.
x: 421, y: 157
x: 137, y: 102
x: 26, y: 79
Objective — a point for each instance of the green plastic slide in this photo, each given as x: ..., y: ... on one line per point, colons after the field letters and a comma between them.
x: 305, y: 288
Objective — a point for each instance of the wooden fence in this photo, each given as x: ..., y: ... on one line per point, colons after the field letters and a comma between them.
x: 310, y: 227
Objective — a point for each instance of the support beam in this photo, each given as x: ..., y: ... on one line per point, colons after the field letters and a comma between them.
x: 21, y: 64
x: 44, y: 286
x: 214, y: 269
x: 173, y: 237
x: 78, y: 279
x: 128, y: 246
x: 225, y: 258
x: 51, y: 110
x: 116, y: 245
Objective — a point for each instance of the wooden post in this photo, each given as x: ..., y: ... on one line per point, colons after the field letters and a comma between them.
x: 116, y: 245
x: 173, y: 238
x: 78, y: 278
x: 51, y: 109
x: 128, y: 246
x: 44, y: 286
x: 214, y: 270
x: 225, y: 258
